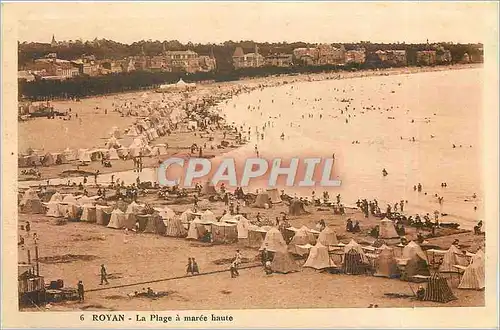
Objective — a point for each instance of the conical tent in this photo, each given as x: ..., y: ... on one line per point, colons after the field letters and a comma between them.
x: 262, y: 200
x: 112, y: 154
x: 284, y: 263
x: 188, y: 216
x: 412, y: 249
x: 473, y: 277
x: 319, y: 258
x: 302, y: 237
x: 452, y: 257
x: 274, y: 241
x: 28, y: 194
x: 479, y: 254
x: 353, y: 263
x: 226, y: 217
x: 88, y: 213
x: 32, y: 205
x: 132, y: 131
x: 354, y: 245
x: 117, y: 219
x: 208, y: 216
x: 70, y: 199
x: 54, y: 210
x: 193, y: 232
x: 84, y: 200
x: 48, y: 159
x: 167, y: 213
x: 415, y: 266
x: 328, y: 237
x: 274, y: 195
x: 296, y: 208
x: 243, y: 226
x: 386, y: 264
x: 155, y: 225
x: 387, y: 229
x: 175, y: 228
x: 208, y: 189
x: 134, y: 208
x: 438, y: 290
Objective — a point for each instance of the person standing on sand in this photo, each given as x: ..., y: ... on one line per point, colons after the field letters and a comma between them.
x: 104, y: 275
x: 81, y: 291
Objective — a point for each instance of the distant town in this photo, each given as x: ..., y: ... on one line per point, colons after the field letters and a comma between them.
x: 67, y: 59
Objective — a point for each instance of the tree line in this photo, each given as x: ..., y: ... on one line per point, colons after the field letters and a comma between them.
x: 109, y: 49
x: 83, y: 86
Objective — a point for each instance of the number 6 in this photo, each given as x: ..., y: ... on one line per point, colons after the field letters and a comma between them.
x: 82, y: 318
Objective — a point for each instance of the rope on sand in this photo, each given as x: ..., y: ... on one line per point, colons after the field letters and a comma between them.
x: 167, y: 279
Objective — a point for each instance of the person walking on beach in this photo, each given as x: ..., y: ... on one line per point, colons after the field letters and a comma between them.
x: 104, y: 275
x: 195, y: 269
x: 238, y: 257
x: 81, y: 291
x: 189, y: 269
x: 234, y: 269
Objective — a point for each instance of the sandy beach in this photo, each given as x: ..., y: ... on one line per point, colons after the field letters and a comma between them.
x: 132, y: 258
x: 75, y: 250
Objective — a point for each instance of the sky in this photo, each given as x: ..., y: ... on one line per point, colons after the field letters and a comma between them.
x: 202, y: 22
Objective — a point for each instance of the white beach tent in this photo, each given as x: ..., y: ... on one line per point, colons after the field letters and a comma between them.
x: 319, y: 258
x: 208, y: 216
x: 453, y: 256
x: 166, y: 213
x: 54, y: 210
x: 226, y: 217
x: 274, y: 241
x: 193, y: 230
x: 117, y: 219
x: 474, y: 276
x: 302, y: 237
x: 134, y: 208
x: 327, y: 237
x: 84, y: 200
x: 132, y: 131
x: 57, y: 197
x: 412, y: 249
x: 112, y: 154
x: 387, y: 229
x: 243, y: 226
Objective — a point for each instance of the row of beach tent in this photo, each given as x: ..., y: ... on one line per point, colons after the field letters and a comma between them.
x: 322, y: 249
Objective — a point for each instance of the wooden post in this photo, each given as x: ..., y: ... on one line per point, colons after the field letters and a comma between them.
x: 36, y: 257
